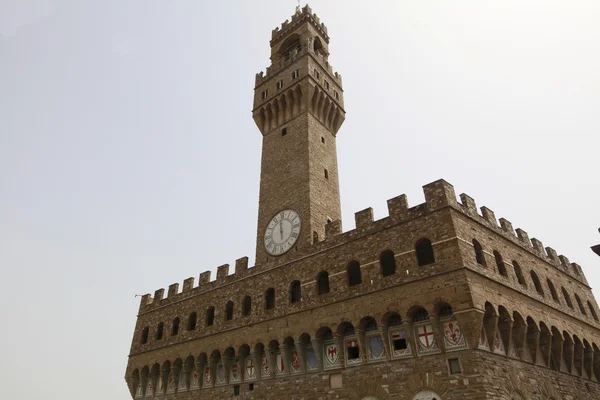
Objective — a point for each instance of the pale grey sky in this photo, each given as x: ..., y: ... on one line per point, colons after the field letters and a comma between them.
x: 129, y: 159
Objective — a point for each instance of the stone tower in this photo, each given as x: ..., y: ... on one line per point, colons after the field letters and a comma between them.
x: 298, y: 108
x: 436, y: 301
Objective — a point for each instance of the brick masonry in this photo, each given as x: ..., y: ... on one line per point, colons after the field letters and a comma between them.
x: 518, y: 340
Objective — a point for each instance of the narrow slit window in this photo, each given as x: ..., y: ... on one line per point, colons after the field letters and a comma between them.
x: 283, y: 131
x: 326, y: 174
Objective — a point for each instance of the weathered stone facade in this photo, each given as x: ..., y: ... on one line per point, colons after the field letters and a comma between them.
x: 434, y: 301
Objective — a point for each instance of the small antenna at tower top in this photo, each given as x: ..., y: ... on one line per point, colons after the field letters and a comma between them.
x: 298, y: 6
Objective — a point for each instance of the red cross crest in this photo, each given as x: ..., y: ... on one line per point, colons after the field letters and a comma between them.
x: 425, y: 337
x: 250, y: 367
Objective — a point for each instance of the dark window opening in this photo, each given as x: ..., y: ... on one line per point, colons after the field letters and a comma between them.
x: 536, y: 283
x: 400, y: 343
x: 295, y: 74
x: 519, y: 273
x: 353, y: 352
x: 250, y: 387
x: 394, y: 320
x: 247, y: 306
x: 388, y: 263
x: 236, y: 390
x: 500, y: 264
x: 159, y: 331
x: 552, y: 290
x: 322, y: 139
x: 479, y: 256
x: 353, y: 272
x: 144, y: 338
x: 420, y: 315
x: 175, y: 328
x: 270, y: 299
x: 581, y: 307
x: 229, y: 311
x: 592, y: 310
x: 567, y: 298
x: 279, y: 85
x: 326, y: 174
x: 295, y: 292
x: 445, y: 311
x: 424, y: 251
x: 371, y: 326
x: 191, y: 322
x: 210, y: 316
x: 454, y: 366
x: 323, y: 282
x: 283, y: 131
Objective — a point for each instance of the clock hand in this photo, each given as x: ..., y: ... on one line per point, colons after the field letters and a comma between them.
x: 281, y: 229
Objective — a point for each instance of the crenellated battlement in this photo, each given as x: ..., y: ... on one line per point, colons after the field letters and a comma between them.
x: 300, y: 16
x: 438, y: 195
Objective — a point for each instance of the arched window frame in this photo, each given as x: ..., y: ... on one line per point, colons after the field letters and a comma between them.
x: 424, y: 252
x: 519, y: 274
x: 175, y: 327
x: 500, y: 263
x: 270, y: 299
x: 229, y: 311
x: 479, y: 254
x: 537, y: 284
x: 353, y: 273
x: 192, y: 321
x: 247, y: 306
x: 295, y: 292
x: 160, y: 329
x: 323, y: 283
x: 144, y: 335
x: 387, y: 261
x: 210, y: 316
x: 552, y: 290
x: 567, y: 298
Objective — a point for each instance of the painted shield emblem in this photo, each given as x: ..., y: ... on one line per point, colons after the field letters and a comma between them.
x: 295, y: 361
x: 426, y: 338
x: 149, y: 387
x: 375, y: 347
x: 235, y: 373
x: 331, y: 354
x: 196, y: 379
x: 182, y: 380
x: 311, y: 358
x: 483, y: 342
x: 220, y: 373
x: 207, y: 377
x: 498, y: 344
x: 171, y: 384
x: 453, y: 336
x: 250, y: 370
x: 280, y: 365
x: 265, y: 367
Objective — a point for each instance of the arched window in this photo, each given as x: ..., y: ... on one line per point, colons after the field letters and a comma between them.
x: 295, y: 293
x: 388, y: 263
x: 479, y: 256
x: 420, y: 314
x: 427, y: 395
x: 445, y: 311
x: 552, y: 290
x: 371, y: 325
x: 270, y: 299
x: 536, y: 283
x: 353, y: 271
x: 519, y: 274
x: 175, y: 327
x: 229, y: 311
x: 500, y: 264
x: 210, y: 316
x: 159, y: 331
x: 592, y: 310
x: 424, y: 252
x: 144, y: 338
x: 323, y: 282
x: 567, y: 297
x: 191, y: 325
x: 581, y: 307
x: 247, y: 306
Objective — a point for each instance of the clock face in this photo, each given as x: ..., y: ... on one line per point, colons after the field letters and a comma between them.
x: 282, y: 232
